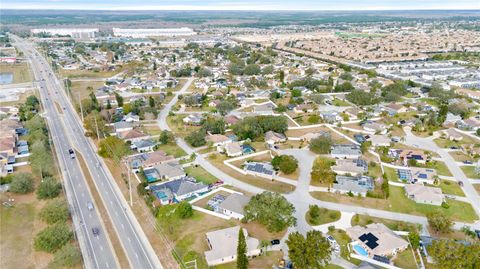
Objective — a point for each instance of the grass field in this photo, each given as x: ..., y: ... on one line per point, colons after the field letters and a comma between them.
x: 469, y: 171
x: 325, y: 216
x: 405, y: 259
x: 394, y: 225
x: 172, y: 149
x: 201, y: 174
x: 440, y: 166
x: 451, y: 187
x: 398, y: 202
x: 391, y: 174
x: 446, y: 143
x: 16, y: 236
x: 266, y: 261
x: 21, y: 72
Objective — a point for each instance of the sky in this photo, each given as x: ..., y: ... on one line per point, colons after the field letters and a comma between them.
x: 240, y: 4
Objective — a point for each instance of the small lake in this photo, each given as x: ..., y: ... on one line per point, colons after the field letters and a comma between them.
x: 6, y: 78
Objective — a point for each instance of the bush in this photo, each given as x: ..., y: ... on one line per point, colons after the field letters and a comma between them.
x: 184, y: 210
x: 49, y: 188
x: 445, y: 205
x: 55, y: 211
x: 53, y: 237
x: 22, y: 183
x: 67, y: 256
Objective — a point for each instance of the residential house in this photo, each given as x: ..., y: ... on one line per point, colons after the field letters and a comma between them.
x: 424, y: 195
x: 272, y: 138
x: 409, y: 154
x: 193, y: 119
x: 261, y: 169
x: 304, y: 108
x: 233, y: 205
x: 264, y: 109
x: 223, y: 246
x: 375, y: 127
x: 122, y: 126
x: 451, y: 120
x: 218, y: 140
x: 379, y: 140
x: 330, y: 116
x: 358, y: 185
x: 231, y: 119
x: 130, y: 117
x: 377, y: 239
x: 133, y: 136
x: 165, y: 171
x: 156, y: 158
x: 233, y: 149
x: 309, y: 136
x: 355, y: 167
x: 143, y: 145
x: 346, y: 151
x: 352, y: 113
x: 177, y: 190
x: 423, y: 175
x: 398, y: 108
x: 452, y: 134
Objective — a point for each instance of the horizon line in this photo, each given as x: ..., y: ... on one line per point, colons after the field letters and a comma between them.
x: 273, y: 10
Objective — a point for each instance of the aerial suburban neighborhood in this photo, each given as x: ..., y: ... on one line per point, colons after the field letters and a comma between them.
x: 201, y: 139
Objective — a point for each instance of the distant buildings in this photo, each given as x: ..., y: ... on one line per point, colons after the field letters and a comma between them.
x: 142, y: 33
x: 72, y: 32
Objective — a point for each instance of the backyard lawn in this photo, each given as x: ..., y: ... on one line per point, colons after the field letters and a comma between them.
x: 405, y: 259
x: 451, y: 187
x: 201, y: 174
x: 469, y: 171
x: 446, y: 143
x: 172, y: 149
x: 398, y: 202
x: 391, y: 174
x: 266, y: 261
x: 343, y: 239
x: 440, y: 166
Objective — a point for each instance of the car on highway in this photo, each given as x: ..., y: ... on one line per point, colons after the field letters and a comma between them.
x: 90, y: 206
x: 95, y: 231
x: 467, y: 162
x: 72, y: 153
x: 275, y: 242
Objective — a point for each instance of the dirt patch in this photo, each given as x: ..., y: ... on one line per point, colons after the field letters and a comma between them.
x: 59, y: 108
x: 122, y: 259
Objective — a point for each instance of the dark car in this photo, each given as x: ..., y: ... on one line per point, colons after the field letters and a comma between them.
x: 95, y: 231
x: 460, y: 183
x: 467, y: 162
x: 275, y: 242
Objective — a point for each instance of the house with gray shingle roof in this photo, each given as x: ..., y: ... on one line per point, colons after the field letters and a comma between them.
x: 233, y: 205
x: 178, y: 190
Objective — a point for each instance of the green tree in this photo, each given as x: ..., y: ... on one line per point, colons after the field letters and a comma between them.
x: 66, y: 257
x: 93, y: 121
x: 281, y: 76
x: 449, y: 254
x: 151, y: 101
x: 48, y: 188
x: 53, y: 237
x: 22, y: 183
x: 321, y: 171
x: 119, y: 99
x: 197, y: 138
x: 184, y: 210
x: 439, y: 221
x: 252, y: 69
x: 272, y: 210
x: 113, y: 147
x: 414, y: 239
x: 285, y: 163
x: 54, y: 211
x: 41, y: 159
x: 225, y: 107
x: 321, y: 144
x: 242, y: 259
x: 312, y: 252
x: 166, y: 137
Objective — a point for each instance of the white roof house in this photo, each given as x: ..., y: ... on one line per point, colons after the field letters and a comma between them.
x: 424, y: 195
x: 223, y: 245
x: 233, y: 205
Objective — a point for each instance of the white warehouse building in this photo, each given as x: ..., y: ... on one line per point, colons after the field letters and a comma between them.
x: 142, y: 33
x: 73, y: 32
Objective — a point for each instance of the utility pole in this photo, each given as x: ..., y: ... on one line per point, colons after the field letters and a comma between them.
x: 96, y: 127
x: 127, y: 164
x: 81, y: 107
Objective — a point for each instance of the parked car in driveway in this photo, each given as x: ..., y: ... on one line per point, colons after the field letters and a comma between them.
x: 467, y: 162
x: 275, y: 242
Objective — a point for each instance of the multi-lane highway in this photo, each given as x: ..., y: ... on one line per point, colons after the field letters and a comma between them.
x: 68, y: 133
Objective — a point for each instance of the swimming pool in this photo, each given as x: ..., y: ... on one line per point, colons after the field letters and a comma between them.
x: 360, y: 250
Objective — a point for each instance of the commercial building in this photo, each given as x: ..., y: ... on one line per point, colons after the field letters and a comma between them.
x: 72, y: 32
x: 142, y: 33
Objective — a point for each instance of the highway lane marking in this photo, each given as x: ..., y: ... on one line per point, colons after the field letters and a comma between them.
x: 129, y: 240
x: 136, y: 255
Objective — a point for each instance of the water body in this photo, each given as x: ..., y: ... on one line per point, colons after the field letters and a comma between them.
x: 6, y: 78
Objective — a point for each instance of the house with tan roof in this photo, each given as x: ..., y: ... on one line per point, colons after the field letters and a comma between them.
x: 452, y: 134
x: 233, y: 149
x: 424, y: 195
x: 156, y: 158
x: 132, y: 135
x: 376, y: 239
x: 223, y: 245
x: 272, y: 137
x: 355, y: 167
x: 218, y: 140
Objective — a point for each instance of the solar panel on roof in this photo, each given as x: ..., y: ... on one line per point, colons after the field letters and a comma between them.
x: 370, y: 240
x: 382, y: 259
